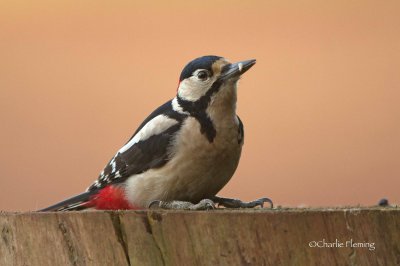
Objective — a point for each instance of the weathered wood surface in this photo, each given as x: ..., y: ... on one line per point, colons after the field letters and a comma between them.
x: 250, y: 237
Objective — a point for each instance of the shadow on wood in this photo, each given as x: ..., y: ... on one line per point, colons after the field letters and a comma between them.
x: 222, y: 237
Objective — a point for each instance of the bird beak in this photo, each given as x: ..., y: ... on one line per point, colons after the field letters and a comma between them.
x: 236, y: 69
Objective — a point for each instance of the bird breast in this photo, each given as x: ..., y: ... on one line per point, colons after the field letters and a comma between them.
x: 197, y: 168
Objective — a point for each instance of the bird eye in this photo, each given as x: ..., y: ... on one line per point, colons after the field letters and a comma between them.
x: 202, y: 75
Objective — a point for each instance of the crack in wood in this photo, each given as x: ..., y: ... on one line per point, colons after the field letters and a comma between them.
x: 120, y: 233
x: 237, y: 237
x: 151, y: 231
x: 72, y: 253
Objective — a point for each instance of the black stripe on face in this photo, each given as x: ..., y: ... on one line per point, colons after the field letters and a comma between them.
x: 197, y: 109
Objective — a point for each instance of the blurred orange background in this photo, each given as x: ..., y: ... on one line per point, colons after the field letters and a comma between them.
x: 321, y: 107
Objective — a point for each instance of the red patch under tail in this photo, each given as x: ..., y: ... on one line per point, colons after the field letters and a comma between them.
x: 111, y: 198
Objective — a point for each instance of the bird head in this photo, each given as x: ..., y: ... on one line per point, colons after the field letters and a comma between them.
x: 209, y: 77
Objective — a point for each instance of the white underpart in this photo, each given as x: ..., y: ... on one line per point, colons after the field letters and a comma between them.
x: 177, y: 108
x: 155, y: 126
x: 197, y: 169
x: 240, y: 65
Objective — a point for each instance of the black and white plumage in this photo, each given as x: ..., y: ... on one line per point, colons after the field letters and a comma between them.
x: 146, y: 149
x: 186, y: 150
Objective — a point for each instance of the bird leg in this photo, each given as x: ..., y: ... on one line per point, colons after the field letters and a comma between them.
x: 235, y: 203
x: 204, y: 204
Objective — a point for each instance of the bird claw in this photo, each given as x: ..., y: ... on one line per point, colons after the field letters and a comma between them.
x: 155, y: 203
x: 258, y: 202
x: 205, y: 204
x: 235, y: 203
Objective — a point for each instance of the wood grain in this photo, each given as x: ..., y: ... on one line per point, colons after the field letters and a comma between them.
x: 222, y: 237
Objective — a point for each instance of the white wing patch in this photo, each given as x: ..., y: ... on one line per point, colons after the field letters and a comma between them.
x: 155, y: 126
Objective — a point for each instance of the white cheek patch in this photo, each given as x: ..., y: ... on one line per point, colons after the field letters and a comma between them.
x: 240, y: 65
x: 155, y: 126
x: 192, y: 90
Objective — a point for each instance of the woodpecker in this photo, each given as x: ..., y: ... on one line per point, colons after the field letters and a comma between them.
x: 183, y: 153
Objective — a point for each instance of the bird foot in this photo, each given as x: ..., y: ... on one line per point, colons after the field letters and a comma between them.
x: 235, y: 203
x: 204, y: 204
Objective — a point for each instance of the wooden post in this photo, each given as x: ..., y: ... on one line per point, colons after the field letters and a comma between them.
x: 370, y: 236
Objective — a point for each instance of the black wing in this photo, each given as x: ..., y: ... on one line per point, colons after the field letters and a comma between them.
x: 152, y: 152
x: 143, y: 155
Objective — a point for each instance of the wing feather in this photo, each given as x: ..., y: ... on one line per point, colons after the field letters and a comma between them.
x: 146, y: 149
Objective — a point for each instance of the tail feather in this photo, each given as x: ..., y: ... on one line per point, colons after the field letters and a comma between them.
x: 78, y: 202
